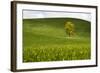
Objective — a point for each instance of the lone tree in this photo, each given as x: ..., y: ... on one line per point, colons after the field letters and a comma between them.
x: 69, y: 28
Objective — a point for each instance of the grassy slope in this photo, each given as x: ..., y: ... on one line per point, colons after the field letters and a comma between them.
x: 46, y: 40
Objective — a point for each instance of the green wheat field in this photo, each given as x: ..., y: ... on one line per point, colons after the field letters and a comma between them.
x: 45, y: 39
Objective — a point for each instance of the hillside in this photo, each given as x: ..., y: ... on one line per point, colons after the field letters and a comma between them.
x: 46, y: 33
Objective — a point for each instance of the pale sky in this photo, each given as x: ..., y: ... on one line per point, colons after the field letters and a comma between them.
x: 27, y: 14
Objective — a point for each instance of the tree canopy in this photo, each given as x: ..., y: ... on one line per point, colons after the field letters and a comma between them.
x: 69, y: 27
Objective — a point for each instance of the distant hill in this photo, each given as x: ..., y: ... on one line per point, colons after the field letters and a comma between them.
x: 81, y: 26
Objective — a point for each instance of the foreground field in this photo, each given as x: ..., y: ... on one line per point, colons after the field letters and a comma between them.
x: 46, y: 40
